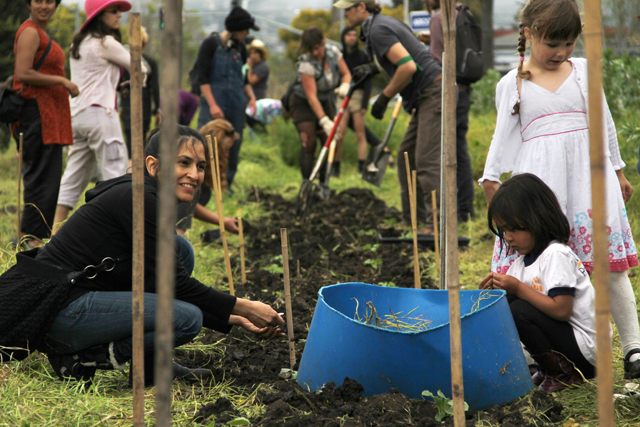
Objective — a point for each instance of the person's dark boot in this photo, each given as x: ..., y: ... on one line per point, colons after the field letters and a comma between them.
x: 82, y: 366
x: 335, y: 169
x: 559, y: 372
x: 631, y: 369
x: 179, y: 372
x: 361, y: 166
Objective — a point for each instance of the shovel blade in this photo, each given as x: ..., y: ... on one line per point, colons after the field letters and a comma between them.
x: 376, y: 178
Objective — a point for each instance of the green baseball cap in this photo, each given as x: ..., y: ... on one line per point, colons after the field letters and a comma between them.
x: 343, y: 4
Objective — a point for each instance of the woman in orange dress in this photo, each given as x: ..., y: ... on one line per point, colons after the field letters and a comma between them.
x: 45, y: 119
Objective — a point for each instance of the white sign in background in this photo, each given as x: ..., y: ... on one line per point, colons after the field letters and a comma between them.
x: 419, y: 21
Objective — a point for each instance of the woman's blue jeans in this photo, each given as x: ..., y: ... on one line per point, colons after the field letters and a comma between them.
x: 98, y: 318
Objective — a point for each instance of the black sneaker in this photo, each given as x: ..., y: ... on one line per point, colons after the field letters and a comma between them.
x: 68, y: 368
x: 187, y: 374
x: 631, y: 369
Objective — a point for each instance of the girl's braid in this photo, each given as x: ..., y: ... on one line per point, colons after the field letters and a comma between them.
x: 522, y: 48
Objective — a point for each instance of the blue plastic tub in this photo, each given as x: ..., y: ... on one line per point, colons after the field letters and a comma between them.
x: 494, y: 367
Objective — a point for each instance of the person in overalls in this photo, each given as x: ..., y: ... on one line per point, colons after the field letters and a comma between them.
x: 225, y: 91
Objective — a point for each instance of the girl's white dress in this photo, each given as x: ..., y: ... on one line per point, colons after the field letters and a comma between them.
x: 550, y: 139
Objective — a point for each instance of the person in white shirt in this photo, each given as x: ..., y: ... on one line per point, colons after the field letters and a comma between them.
x: 96, y: 57
x: 549, y: 290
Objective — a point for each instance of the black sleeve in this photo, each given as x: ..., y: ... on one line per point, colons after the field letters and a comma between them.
x: 553, y: 292
x: 367, y: 85
x: 242, y: 48
x: 203, y: 62
x: 154, y: 84
x: 216, y: 306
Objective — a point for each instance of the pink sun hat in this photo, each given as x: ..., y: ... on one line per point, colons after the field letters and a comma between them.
x: 94, y: 7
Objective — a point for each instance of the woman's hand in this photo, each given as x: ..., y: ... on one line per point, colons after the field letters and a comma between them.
x: 216, y: 112
x: 260, y: 314
x: 71, y: 87
x: 625, y: 186
x: 490, y: 188
x: 231, y: 225
x: 507, y: 283
x: 268, y: 332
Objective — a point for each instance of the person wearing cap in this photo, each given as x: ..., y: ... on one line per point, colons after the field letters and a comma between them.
x: 97, y: 56
x: 258, y: 73
x: 45, y: 119
x: 225, y: 91
x: 416, y: 76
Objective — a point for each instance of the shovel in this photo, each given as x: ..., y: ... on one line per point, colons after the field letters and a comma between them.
x: 309, y: 190
x: 377, y: 160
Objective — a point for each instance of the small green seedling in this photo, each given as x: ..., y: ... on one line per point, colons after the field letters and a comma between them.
x: 374, y: 263
x: 443, y: 403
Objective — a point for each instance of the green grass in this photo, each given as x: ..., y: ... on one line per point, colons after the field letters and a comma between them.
x: 32, y: 396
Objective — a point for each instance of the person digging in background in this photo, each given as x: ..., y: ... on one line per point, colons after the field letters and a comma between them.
x: 45, y: 119
x: 464, y: 174
x: 416, y: 76
x: 549, y: 91
x: 549, y: 291
x: 219, y: 74
x: 321, y: 70
x: 84, y: 322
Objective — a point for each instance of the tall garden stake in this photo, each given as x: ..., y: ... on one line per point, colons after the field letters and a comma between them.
x: 217, y: 188
x: 436, y: 232
x: 137, y: 162
x: 20, y: 144
x: 243, y: 268
x: 411, y: 185
x: 287, y: 297
x: 600, y: 276
x: 165, y: 270
x: 450, y: 164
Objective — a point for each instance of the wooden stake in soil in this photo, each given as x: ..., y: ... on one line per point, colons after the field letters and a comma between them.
x: 436, y: 231
x: 166, y: 241
x: 287, y: 297
x: 217, y: 188
x: 411, y: 185
x: 450, y: 95
x: 137, y: 162
x: 242, y: 265
x: 600, y: 277
x: 20, y: 144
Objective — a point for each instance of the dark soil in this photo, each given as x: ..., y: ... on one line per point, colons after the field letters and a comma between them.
x: 330, y: 245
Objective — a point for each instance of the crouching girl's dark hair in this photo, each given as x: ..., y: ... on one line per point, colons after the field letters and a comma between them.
x: 185, y: 135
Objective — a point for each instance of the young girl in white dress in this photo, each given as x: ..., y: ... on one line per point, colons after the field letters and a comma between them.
x: 549, y: 291
x: 542, y: 128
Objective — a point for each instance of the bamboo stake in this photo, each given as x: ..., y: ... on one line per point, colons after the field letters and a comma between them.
x: 600, y: 276
x: 242, y: 264
x: 215, y: 174
x: 450, y: 95
x: 166, y: 241
x: 436, y: 231
x: 20, y: 149
x: 411, y: 185
x: 287, y: 297
x: 137, y: 161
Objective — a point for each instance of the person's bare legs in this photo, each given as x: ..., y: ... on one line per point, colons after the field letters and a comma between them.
x: 62, y: 212
x: 358, y: 126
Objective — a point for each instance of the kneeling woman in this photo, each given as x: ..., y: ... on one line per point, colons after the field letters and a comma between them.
x: 93, y: 325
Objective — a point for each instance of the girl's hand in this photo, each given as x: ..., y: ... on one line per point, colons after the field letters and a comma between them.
x: 625, y: 186
x: 487, y: 282
x: 506, y: 283
x: 260, y: 314
x: 71, y: 87
x: 268, y: 332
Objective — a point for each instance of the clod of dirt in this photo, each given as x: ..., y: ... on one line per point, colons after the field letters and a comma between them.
x: 222, y: 409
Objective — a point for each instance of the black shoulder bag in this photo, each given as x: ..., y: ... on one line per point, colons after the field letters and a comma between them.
x: 11, y: 102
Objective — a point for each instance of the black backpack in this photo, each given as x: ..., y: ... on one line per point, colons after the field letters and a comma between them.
x: 469, y: 63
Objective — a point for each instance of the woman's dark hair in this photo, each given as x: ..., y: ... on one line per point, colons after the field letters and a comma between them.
x: 28, y: 2
x: 524, y: 202
x: 343, y: 34
x: 185, y: 134
x: 310, y: 37
x: 373, y: 8
x: 547, y: 19
x: 96, y: 28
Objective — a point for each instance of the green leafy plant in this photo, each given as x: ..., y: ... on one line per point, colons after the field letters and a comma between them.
x: 443, y: 403
x: 387, y: 284
x: 371, y: 247
x: 374, y: 263
x: 275, y: 269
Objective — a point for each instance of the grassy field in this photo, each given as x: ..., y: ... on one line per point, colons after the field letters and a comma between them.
x: 32, y: 395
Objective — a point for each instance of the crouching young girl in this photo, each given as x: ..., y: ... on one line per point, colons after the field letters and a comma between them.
x: 549, y: 291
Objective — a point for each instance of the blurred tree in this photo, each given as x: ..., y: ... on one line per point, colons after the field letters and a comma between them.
x: 622, y: 16
x: 13, y: 14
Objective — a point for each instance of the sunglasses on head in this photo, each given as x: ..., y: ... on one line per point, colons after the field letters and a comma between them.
x: 230, y: 132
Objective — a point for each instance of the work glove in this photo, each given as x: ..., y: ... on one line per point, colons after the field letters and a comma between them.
x: 363, y: 70
x: 327, y: 124
x: 342, y: 90
x: 380, y: 106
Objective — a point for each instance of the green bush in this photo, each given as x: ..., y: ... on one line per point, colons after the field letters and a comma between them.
x: 621, y: 77
x: 483, y: 97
